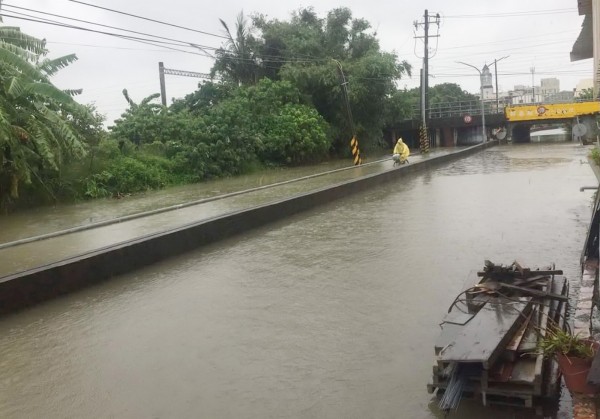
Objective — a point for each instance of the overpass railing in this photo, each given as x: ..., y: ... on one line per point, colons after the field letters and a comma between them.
x: 473, y: 107
x: 458, y: 109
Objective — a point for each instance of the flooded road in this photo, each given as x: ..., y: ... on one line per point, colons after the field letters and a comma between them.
x: 332, y: 313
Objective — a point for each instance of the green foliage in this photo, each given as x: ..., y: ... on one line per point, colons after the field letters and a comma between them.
x: 38, y: 132
x: 449, y: 92
x: 129, y: 175
x: 586, y: 94
x: 559, y: 341
x: 595, y: 156
x: 313, y: 53
x: 237, y: 61
x: 208, y: 95
x: 297, y: 134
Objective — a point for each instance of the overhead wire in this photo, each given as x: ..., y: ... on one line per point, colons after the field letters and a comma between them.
x: 149, y: 19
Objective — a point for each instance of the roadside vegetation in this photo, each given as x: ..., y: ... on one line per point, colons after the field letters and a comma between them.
x: 276, y: 99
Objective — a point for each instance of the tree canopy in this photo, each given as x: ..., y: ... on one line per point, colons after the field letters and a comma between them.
x: 320, y: 56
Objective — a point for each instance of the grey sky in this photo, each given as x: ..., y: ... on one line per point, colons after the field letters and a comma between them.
x: 532, y: 33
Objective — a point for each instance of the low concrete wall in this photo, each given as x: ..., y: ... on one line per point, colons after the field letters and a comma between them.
x: 35, y: 285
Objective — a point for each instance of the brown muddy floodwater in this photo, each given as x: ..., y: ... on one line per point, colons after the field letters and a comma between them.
x: 329, y: 314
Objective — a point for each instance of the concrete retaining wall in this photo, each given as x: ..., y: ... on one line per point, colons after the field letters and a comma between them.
x: 35, y: 285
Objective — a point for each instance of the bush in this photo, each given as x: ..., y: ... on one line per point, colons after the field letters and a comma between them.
x: 129, y: 175
x: 595, y: 156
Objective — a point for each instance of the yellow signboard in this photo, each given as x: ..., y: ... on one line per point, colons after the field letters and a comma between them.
x: 550, y: 111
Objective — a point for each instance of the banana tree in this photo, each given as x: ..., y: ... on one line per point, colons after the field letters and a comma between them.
x: 34, y: 131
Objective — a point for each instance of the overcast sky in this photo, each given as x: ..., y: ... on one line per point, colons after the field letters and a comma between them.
x: 533, y: 34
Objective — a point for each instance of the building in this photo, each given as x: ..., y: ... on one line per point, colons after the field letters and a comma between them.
x: 549, y: 86
x: 587, y: 44
x: 486, y: 83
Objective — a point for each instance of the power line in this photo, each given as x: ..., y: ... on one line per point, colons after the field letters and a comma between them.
x: 149, y: 19
x: 514, y: 14
x: 179, y: 43
x: 184, y: 43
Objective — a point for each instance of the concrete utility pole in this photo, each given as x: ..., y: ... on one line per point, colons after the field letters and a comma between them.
x: 427, y: 20
x: 161, y: 75
x: 354, y: 141
x: 163, y: 89
x: 424, y: 143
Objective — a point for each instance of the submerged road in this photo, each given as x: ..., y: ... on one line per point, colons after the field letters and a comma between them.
x: 330, y: 313
x: 39, y: 237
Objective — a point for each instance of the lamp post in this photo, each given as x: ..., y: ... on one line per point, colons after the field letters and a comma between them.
x: 496, y: 75
x: 481, y: 90
x: 532, y: 85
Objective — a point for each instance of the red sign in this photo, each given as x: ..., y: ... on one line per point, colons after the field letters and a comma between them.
x: 468, y: 119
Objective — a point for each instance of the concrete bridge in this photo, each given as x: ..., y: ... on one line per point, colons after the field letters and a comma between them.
x: 459, y: 123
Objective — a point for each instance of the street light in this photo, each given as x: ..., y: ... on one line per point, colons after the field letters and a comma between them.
x: 496, y: 75
x: 532, y: 85
x: 481, y: 90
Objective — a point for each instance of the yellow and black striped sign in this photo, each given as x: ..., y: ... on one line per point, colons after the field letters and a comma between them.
x: 355, y: 151
x: 423, y: 140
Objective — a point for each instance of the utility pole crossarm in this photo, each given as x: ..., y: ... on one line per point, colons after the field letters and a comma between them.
x: 186, y: 73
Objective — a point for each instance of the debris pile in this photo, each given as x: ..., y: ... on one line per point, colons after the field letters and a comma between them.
x: 487, y: 347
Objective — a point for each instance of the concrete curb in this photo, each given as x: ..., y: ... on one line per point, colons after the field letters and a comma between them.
x: 35, y: 285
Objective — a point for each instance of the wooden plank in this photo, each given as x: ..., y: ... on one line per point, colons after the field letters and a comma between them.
x: 529, y: 342
x: 518, y: 336
x: 545, y: 309
x: 484, y: 338
x: 494, y: 285
x: 526, y: 275
x: 523, y: 372
x: 522, y: 282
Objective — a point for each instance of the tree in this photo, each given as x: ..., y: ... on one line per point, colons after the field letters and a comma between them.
x: 35, y: 134
x: 449, y: 92
x: 237, y: 61
x: 209, y: 94
x: 586, y: 94
x: 312, y: 53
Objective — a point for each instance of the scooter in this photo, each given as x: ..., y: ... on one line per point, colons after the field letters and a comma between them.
x: 397, y: 160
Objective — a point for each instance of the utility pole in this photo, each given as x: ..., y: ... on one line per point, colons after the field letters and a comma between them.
x: 163, y: 89
x: 354, y: 141
x: 161, y: 75
x: 427, y: 20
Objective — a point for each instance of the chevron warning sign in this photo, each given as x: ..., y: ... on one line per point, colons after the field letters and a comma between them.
x: 355, y: 151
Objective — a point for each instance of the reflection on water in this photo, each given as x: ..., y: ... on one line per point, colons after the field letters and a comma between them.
x: 331, y: 314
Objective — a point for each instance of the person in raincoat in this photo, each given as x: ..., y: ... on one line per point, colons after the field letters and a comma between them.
x: 401, y: 152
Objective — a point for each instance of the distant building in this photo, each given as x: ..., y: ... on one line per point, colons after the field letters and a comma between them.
x: 582, y: 85
x: 549, y: 86
x: 486, y: 83
x: 564, y: 96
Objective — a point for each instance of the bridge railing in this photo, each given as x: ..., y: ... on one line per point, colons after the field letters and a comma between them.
x: 473, y: 107
x: 458, y: 109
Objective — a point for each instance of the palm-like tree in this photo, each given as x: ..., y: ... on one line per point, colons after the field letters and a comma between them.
x: 34, y: 132
x: 237, y: 61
